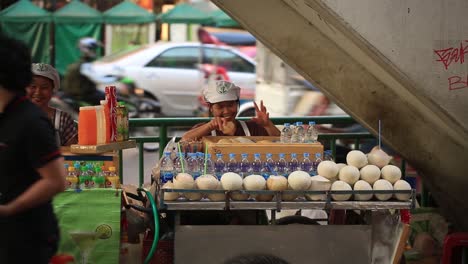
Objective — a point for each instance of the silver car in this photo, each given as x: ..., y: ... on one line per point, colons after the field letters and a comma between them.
x: 170, y: 72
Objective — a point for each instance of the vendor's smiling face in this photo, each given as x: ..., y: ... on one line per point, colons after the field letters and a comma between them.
x: 226, y: 109
x: 40, y: 90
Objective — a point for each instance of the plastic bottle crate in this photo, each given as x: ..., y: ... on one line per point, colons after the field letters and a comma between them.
x: 164, y: 251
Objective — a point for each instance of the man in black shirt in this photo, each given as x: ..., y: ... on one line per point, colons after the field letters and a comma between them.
x: 31, y: 166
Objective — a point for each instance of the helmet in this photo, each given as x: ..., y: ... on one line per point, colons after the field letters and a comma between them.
x: 88, y: 47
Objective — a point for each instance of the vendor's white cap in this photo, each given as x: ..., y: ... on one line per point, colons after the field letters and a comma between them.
x: 222, y: 91
x: 47, y: 71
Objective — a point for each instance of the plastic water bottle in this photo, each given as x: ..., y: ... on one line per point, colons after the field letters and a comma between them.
x: 219, y: 165
x: 179, y: 163
x: 281, y: 165
x: 298, y: 133
x: 311, y: 135
x: 244, y: 165
x: 328, y: 155
x: 209, y: 165
x: 257, y: 164
x: 286, y: 133
x: 318, y: 159
x: 201, y: 158
x: 193, y: 165
x: 167, y: 168
x: 306, y: 164
x: 293, y: 163
x: 267, y: 167
x: 232, y: 165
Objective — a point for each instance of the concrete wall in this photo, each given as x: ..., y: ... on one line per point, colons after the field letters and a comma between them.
x: 425, y: 39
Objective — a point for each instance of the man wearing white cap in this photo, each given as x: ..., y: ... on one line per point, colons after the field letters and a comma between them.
x: 45, y: 81
x: 223, y: 101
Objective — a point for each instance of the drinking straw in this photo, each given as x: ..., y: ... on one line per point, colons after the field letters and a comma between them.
x: 181, y: 158
x: 206, y: 155
x: 380, y: 131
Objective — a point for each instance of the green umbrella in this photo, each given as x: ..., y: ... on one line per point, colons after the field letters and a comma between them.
x: 185, y: 14
x: 25, y: 11
x: 128, y: 13
x: 77, y: 12
x: 222, y: 19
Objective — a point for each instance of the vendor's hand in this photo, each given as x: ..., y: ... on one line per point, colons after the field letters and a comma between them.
x: 217, y: 123
x: 262, y: 117
x: 5, y: 211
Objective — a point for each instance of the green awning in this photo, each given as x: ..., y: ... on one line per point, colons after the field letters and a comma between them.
x: 25, y: 11
x: 128, y: 13
x: 222, y: 19
x: 185, y: 14
x: 77, y: 12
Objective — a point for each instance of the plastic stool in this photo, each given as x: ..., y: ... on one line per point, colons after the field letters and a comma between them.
x: 452, y: 241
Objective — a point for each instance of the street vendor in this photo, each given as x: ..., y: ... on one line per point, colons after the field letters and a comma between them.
x: 45, y: 81
x: 223, y: 102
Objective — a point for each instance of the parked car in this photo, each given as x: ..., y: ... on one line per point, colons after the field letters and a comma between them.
x: 171, y: 72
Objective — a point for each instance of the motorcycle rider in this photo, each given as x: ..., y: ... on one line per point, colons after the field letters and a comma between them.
x: 78, y: 82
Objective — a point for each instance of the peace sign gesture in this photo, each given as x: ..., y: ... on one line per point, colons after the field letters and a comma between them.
x: 262, y: 117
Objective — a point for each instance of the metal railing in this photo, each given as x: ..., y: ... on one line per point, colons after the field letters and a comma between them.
x: 165, y: 123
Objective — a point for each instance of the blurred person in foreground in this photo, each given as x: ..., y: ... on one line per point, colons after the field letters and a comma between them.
x: 223, y: 102
x: 31, y: 165
x: 44, y: 82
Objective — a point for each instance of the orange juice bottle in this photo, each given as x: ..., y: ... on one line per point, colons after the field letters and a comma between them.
x: 87, y: 126
x: 112, y: 180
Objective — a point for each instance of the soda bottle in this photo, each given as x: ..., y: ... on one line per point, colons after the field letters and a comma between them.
x: 193, y: 165
x: 311, y: 135
x: 232, y: 165
x: 306, y: 164
x: 298, y: 133
x: 98, y: 178
x: 84, y: 178
x: 112, y: 179
x: 244, y: 165
x: 286, y: 134
x: 281, y: 165
x: 220, y: 166
x: 166, y: 168
x: 256, y: 164
x: 318, y: 159
x: 293, y: 163
x: 90, y: 170
x: 72, y: 178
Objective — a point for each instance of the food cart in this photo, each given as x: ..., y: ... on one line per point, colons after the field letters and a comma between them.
x: 379, y: 236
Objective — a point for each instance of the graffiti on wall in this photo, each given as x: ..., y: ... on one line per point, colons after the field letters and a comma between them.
x: 454, y: 56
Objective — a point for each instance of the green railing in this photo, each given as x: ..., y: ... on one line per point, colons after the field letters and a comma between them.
x: 164, y: 123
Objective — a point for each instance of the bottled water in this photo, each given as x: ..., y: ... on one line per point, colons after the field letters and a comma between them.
x: 179, y: 163
x: 232, y: 165
x: 219, y: 165
x: 318, y: 159
x: 167, y: 168
x: 311, y: 135
x: 209, y: 165
x: 286, y: 134
x: 193, y: 165
x: 257, y: 164
x: 298, y: 133
x: 281, y: 165
x: 306, y: 164
x: 201, y: 158
x: 293, y: 163
x: 244, y: 165
x: 328, y: 155
x: 268, y: 167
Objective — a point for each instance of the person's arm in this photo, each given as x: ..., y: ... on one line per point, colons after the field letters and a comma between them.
x: 52, y: 182
x: 217, y: 123
x: 262, y: 117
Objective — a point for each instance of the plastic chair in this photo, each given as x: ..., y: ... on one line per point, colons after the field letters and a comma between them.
x: 450, y: 243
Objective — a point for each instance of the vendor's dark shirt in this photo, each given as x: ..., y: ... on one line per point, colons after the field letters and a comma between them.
x: 27, y: 142
x: 254, y: 128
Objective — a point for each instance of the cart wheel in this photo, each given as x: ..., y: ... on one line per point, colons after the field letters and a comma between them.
x: 296, y: 219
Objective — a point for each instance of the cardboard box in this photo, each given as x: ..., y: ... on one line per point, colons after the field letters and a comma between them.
x: 263, y: 148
